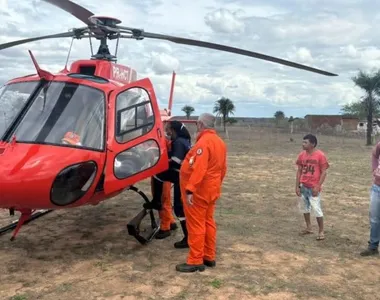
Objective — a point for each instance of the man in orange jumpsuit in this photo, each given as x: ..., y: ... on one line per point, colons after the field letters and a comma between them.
x: 166, y: 213
x: 201, y: 177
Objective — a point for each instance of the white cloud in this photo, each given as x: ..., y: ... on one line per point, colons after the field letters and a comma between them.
x: 302, y: 54
x: 335, y: 35
x: 224, y: 21
x: 163, y: 63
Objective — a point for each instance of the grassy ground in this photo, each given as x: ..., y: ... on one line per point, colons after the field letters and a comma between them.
x: 87, y: 254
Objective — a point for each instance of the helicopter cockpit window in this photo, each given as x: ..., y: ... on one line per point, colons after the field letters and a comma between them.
x: 134, y: 114
x: 65, y: 114
x: 12, y: 99
x: 136, y: 159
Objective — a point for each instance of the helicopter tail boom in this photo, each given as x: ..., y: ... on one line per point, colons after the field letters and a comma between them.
x: 166, y: 114
x: 171, y: 95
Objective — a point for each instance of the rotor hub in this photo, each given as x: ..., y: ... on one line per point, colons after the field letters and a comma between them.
x: 103, y: 20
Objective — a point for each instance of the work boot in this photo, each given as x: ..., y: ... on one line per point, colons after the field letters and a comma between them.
x: 162, y: 234
x: 173, y: 226
x: 209, y: 263
x: 369, y: 252
x: 183, y: 243
x: 189, y: 268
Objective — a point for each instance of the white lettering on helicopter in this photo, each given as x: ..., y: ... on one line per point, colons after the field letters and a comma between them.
x: 120, y: 74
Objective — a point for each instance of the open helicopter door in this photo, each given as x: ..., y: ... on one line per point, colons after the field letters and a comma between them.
x: 136, y: 146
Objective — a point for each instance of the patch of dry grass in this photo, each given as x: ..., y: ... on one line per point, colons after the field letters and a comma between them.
x: 86, y: 253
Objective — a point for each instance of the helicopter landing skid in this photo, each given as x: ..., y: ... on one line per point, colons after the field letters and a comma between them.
x: 134, y: 225
x: 26, y: 217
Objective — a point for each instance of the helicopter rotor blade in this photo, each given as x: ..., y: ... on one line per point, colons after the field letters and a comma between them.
x: 51, y: 36
x: 76, y: 10
x: 140, y: 34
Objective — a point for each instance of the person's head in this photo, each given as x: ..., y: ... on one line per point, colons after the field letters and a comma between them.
x: 205, y: 121
x: 176, y: 129
x: 309, y: 142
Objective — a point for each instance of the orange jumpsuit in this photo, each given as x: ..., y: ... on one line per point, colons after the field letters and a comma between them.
x: 166, y: 213
x: 202, y: 174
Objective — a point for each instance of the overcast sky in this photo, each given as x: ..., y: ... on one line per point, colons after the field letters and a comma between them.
x: 335, y: 35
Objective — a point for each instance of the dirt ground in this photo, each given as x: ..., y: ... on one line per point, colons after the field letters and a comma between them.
x: 86, y: 253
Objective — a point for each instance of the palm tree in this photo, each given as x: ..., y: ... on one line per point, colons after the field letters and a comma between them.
x: 370, y: 83
x: 224, y: 107
x: 188, y: 110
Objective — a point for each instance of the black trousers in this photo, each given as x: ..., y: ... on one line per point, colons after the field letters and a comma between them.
x: 158, y: 181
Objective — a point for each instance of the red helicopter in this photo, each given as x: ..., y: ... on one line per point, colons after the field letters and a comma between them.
x: 87, y: 133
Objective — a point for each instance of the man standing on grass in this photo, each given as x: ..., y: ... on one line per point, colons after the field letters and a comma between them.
x: 312, y: 169
x: 201, y: 177
x: 374, y: 209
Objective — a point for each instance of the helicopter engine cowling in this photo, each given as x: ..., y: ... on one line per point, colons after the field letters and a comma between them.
x: 45, y: 177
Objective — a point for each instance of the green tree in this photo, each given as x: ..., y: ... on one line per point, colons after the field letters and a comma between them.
x: 370, y: 83
x: 188, y: 110
x: 279, y: 115
x: 224, y: 107
x: 358, y: 109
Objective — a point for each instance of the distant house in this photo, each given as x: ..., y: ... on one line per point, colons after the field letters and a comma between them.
x: 346, y: 122
x: 362, y: 126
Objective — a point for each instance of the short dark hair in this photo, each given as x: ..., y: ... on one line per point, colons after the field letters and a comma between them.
x: 312, y: 139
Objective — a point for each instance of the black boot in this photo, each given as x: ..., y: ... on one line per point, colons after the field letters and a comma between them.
x: 165, y: 233
x: 369, y: 252
x: 183, y: 243
x: 161, y: 234
x: 173, y: 226
x: 209, y: 263
x: 189, y: 268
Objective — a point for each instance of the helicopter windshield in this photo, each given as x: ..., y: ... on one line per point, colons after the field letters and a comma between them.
x: 65, y: 114
x: 12, y: 99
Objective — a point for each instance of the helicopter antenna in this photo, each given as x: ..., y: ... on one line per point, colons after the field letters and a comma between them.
x: 68, y: 54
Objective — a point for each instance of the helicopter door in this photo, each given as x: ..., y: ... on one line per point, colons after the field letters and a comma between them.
x: 136, y: 147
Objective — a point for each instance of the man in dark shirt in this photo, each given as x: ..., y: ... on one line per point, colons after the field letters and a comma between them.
x: 180, y: 145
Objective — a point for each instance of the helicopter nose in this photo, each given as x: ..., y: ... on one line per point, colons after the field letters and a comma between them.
x: 43, y: 177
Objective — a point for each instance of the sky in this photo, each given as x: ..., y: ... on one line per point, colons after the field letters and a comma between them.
x: 338, y: 36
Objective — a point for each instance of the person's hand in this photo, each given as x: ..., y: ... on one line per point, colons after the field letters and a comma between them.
x: 298, y: 191
x: 316, y: 189
x: 189, y: 199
